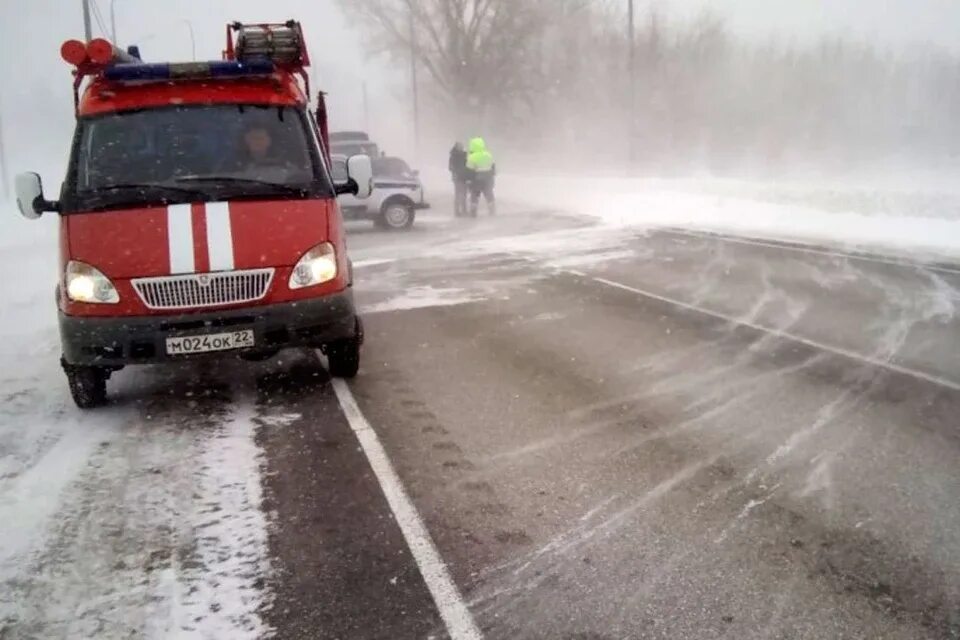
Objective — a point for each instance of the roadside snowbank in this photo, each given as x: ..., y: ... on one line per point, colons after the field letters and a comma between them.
x: 45, y: 444
x: 901, y: 221
x: 36, y: 416
x: 917, y: 216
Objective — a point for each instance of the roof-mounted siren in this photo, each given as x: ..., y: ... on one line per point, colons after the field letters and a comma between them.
x: 102, y: 51
x: 91, y: 57
x: 282, y: 44
x: 74, y: 52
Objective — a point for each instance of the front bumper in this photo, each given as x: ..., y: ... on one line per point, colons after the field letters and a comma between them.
x: 115, y: 342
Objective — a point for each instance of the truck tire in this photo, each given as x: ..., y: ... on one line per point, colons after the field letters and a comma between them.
x: 88, y: 385
x: 397, y: 215
x: 344, y: 358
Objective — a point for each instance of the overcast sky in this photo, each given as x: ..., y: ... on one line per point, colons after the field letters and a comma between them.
x: 34, y: 96
x: 889, y: 22
x: 36, y: 86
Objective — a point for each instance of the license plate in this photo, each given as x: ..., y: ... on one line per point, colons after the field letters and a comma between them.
x: 185, y: 345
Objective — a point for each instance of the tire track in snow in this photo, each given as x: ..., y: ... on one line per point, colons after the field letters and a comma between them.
x: 161, y: 534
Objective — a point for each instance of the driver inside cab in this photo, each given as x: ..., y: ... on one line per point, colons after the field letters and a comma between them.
x: 262, y: 159
x: 258, y: 143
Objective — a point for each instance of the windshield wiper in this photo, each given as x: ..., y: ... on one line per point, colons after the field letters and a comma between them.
x: 243, y: 181
x: 143, y: 187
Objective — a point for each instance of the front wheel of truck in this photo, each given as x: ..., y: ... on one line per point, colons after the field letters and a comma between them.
x: 344, y: 358
x: 88, y: 385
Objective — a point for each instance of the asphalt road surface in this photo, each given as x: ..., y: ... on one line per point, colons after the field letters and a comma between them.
x: 560, y: 431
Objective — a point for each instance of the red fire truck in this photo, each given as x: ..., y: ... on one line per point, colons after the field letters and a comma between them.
x: 198, y: 216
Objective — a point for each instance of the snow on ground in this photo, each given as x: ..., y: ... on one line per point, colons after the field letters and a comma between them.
x: 37, y: 419
x: 159, y: 535
x: 905, y: 215
x: 419, y: 297
x: 898, y: 220
x: 218, y: 592
x: 147, y: 521
x: 139, y: 519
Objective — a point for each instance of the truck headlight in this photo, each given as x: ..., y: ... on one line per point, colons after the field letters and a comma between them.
x: 86, y: 284
x: 317, y: 266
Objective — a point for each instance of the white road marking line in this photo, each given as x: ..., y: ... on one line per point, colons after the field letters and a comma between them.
x: 456, y: 616
x: 180, y: 238
x: 846, y: 353
x: 219, y: 236
x: 813, y: 250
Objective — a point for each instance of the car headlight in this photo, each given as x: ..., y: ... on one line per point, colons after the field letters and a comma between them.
x: 317, y: 266
x: 86, y: 284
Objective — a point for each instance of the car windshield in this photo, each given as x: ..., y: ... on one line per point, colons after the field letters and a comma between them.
x: 355, y: 148
x: 178, y: 152
x: 387, y: 167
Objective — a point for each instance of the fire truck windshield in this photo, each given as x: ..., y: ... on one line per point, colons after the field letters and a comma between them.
x: 191, y: 153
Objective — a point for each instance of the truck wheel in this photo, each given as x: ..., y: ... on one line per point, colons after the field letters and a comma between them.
x: 344, y: 358
x: 88, y: 385
x: 397, y: 215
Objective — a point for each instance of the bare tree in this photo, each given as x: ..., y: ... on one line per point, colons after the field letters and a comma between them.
x: 477, y: 53
x: 550, y: 78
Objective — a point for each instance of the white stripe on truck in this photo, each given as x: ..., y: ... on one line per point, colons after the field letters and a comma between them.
x: 219, y: 236
x: 180, y: 239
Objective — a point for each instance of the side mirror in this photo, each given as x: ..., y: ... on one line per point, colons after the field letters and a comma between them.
x: 360, y: 170
x: 30, y: 198
x: 415, y: 173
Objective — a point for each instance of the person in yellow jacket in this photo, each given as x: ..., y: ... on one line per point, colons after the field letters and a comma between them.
x: 481, y: 171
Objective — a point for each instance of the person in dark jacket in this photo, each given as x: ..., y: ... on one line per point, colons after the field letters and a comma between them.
x: 458, y: 173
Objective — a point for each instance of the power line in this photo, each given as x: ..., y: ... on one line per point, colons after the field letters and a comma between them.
x: 95, y: 8
x: 99, y: 18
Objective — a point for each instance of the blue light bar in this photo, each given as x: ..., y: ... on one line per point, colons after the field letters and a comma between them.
x: 130, y: 72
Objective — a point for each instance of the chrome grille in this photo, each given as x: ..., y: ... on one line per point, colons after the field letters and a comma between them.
x: 204, y: 289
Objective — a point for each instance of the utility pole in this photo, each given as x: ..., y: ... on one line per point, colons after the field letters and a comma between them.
x: 632, y: 70
x: 413, y: 81
x: 4, y: 176
x: 113, y: 23
x: 366, y: 108
x: 87, y: 27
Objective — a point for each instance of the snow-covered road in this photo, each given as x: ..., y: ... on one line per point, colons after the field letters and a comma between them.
x: 608, y: 430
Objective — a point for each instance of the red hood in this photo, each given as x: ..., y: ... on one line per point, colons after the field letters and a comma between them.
x: 213, y: 236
